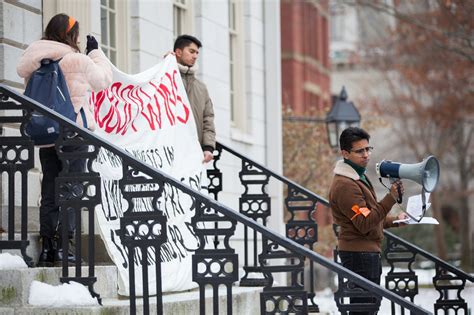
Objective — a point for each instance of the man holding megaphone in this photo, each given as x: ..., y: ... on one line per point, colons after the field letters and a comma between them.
x: 355, y: 209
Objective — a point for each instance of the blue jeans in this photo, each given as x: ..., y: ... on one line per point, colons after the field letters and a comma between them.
x: 367, y: 265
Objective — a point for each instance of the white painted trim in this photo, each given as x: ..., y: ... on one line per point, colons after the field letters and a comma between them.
x: 240, y: 111
x: 273, y: 111
x: 188, y: 18
x: 239, y: 135
x: 123, y: 35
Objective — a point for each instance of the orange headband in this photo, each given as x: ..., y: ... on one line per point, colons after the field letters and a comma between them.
x: 72, y: 21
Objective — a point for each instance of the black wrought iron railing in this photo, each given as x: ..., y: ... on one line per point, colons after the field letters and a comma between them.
x: 303, y: 229
x: 17, y: 155
x: 279, y: 254
x: 254, y: 202
x: 448, y: 280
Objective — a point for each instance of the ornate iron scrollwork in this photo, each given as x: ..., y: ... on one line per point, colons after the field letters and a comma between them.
x: 347, y: 290
x: 445, y: 283
x: 302, y: 228
x: 142, y: 232
x: 448, y: 280
x: 404, y: 283
x: 78, y: 189
x: 256, y: 204
x: 214, y: 266
x: 16, y: 156
x: 215, y: 175
x: 290, y: 299
x: 214, y: 186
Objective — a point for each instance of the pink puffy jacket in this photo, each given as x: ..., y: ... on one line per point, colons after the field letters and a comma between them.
x: 81, y: 72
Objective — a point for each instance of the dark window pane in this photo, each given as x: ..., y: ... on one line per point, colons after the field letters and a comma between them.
x: 113, y: 29
x: 113, y: 57
x: 104, y: 26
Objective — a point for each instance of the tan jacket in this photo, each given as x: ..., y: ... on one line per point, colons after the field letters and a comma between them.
x: 80, y: 71
x: 358, y: 233
x: 202, y: 107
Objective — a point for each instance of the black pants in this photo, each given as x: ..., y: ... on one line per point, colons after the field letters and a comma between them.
x: 367, y: 265
x: 49, y: 210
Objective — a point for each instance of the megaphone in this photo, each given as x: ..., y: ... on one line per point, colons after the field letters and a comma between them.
x: 425, y: 173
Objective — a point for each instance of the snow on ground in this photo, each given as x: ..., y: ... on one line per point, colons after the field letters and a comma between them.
x: 42, y: 294
x: 9, y: 261
x: 66, y: 294
x: 425, y: 298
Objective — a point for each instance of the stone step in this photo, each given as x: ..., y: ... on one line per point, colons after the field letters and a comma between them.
x: 34, y: 248
x: 33, y: 221
x: 15, y: 284
x: 245, y: 301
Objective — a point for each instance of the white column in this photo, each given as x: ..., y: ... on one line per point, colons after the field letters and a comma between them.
x: 273, y: 115
x: 273, y: 112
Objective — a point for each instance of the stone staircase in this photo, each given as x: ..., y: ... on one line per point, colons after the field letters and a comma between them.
x: 15, y: 287
x: 15, y: 284
x: 33, y: 250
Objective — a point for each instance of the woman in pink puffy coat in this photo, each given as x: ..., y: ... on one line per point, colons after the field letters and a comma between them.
x: 82, y: 72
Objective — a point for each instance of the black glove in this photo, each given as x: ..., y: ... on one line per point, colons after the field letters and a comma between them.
x: 91, y: 44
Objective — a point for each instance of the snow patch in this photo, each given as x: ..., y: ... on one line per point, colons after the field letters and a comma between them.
x: 9, y: 261
x: 66, y: 294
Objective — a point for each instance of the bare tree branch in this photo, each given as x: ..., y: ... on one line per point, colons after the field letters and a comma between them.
x: 458, y: 38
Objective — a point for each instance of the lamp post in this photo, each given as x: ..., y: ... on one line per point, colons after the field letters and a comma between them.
x: 343, y: 114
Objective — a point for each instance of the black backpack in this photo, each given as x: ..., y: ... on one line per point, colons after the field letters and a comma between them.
x: 48, y: 87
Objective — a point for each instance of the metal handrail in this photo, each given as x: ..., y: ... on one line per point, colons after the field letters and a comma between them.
x: 267, y: 232
x: 440, y: 264
x: 430, y: 257
x: 325, y: 202
x: 275, y: 175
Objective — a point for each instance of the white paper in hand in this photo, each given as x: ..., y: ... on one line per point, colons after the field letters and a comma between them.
x: 415, y: 205
x: 415, y: 209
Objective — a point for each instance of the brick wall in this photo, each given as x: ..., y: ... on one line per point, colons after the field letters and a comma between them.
x: 305, y: 55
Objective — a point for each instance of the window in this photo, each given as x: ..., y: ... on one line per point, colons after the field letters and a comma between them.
x: 182, y: 18
x: 238, y: 112
x: 107, y: 20
x: 108, y: 29
x: 337, y: 22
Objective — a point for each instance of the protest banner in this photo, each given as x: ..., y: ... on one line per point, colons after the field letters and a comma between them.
x: 149, y: 115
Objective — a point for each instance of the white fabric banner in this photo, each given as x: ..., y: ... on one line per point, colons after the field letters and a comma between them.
x: 149, y: 115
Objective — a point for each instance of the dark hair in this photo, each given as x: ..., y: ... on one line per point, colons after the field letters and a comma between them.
x: 351, y: 135
x: 184, y: 41
x: 57, y: 30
